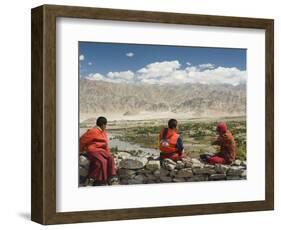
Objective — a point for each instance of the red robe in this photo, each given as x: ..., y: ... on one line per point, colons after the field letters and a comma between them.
x: 227, y: 147
x: 95, y: 143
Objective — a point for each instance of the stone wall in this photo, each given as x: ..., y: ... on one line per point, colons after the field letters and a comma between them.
x: 146, y: 170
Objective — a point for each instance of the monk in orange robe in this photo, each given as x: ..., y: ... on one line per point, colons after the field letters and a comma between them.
x: 95, y: 143
x: 170, y: 142
x: 227, y: 145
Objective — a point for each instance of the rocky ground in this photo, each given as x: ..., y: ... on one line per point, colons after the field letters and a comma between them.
x: 147, y: 169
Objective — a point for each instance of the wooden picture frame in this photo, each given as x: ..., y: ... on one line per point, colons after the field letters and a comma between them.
x: 43, y: 208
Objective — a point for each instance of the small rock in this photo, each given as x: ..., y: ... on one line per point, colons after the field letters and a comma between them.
x: 244, y: 164
x: 197, y: 165
x: 233, y: 177
x: 217, y: 177
x: 124, y: 181
x: 203, y: 171
x: 140, y: 178
x: 184, y: 173
x: 180, y: 165
x: 133, y: 181
x: 173, y: 172
x: 156, y: 173
x: 197, y: 178
x: 187, y: 162
x: 195, y: 161
x: 126, y: 173
x: 244, y: 174
x: 83, y: 171
x: 209, y: 166
x: 165, y: 179
x: 179, y: 179
x: 84, y: 162
x: 133, y: 163
x: 153, y: 165
x: 164, y: 172
x: 151, y: 177
x: 221, y: 168
x: 168, y: 166
x: 169, y: 161
x: 123, y: 155
x: 235, y: 171
x: 237, y: 163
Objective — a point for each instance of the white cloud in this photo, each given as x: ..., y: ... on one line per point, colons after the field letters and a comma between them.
x: 81, y: 57
x: 158, y: 69
x: 90, y: 63
x: 219, y: 75
x: 130, y: 54
x: 188, y: 63
x: 96, y: 76
x: 124, y: 76
x: 170, y: 72
x: 206, y: 66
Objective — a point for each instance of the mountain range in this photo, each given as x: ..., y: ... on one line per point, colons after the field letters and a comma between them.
x: 131, y: 99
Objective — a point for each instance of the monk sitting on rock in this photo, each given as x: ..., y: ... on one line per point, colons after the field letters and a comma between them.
x: 170, y: 143
x: 225, y: 140
x: 95, y: 143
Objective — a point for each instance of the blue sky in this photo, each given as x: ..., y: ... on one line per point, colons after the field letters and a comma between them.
x: 157, y: 62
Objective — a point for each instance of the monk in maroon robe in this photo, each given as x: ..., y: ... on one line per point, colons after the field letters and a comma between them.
x: 227, y: 145
x: 95, y: 143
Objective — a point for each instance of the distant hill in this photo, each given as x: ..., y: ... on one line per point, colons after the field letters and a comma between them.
x: 130, y: 99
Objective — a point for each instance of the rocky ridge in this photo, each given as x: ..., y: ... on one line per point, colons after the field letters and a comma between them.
x: 131, y: 99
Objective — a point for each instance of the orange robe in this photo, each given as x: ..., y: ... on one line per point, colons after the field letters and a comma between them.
x: 95, y: 143
x: 168, y: 149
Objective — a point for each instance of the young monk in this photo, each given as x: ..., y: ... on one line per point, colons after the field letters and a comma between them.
x: 227, y: 145
x: 95, y: 143
x: 170, y: 143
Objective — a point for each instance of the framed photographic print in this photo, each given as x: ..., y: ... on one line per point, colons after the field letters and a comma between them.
x: 140, y: 114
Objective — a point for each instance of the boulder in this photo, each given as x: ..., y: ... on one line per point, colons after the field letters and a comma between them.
x: 152, y: 165
x: 133, y: 163
x: 186, y: 172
